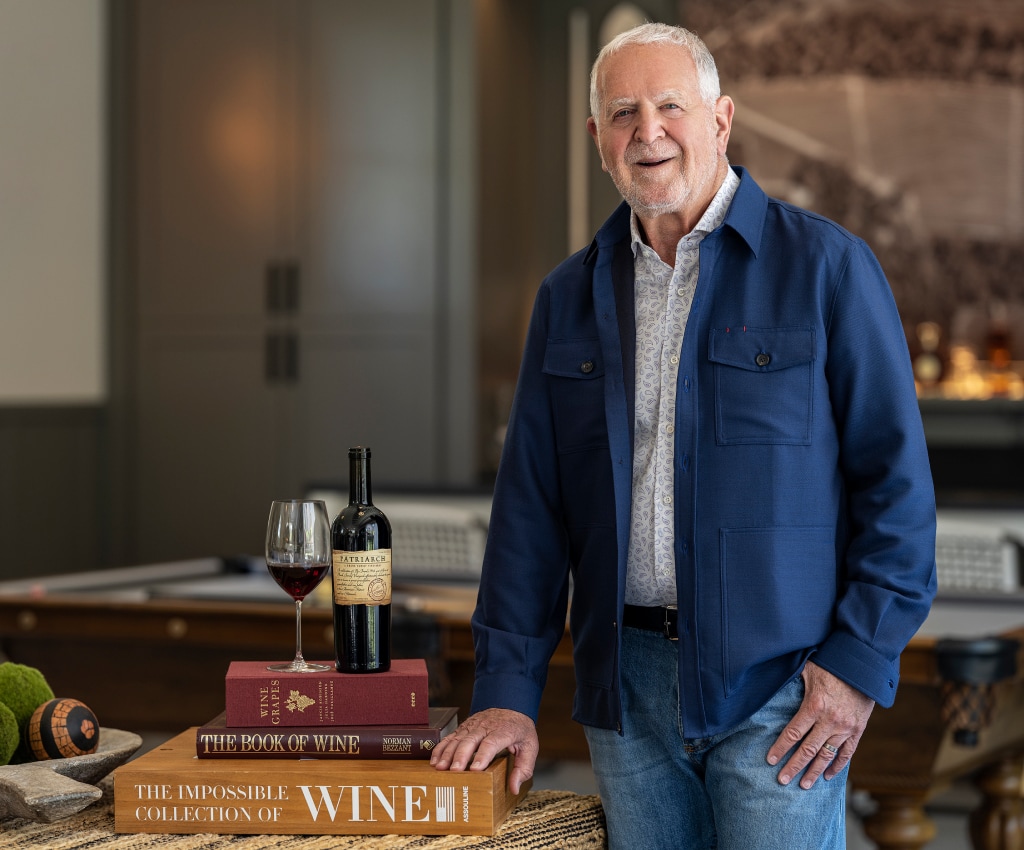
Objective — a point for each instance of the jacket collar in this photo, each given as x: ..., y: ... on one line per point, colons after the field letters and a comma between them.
x: 614, y: 230
x: 745, y: 217
x: 747, y: 212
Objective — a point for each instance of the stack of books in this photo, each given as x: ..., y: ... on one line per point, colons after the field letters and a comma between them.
x: 313, y: 753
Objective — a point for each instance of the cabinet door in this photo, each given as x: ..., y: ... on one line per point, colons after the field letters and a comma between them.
x: 372, y: 304
x: 209, y: 443
x: 374, y: 389
x: 373, y: 158
x: 215, y: 122
x: 214, y: 118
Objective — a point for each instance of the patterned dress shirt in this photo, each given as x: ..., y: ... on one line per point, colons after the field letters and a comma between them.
x: 662, y: 300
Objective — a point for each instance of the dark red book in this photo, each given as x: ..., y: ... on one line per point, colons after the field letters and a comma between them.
x: 255, y: 696
x: 217, y: 740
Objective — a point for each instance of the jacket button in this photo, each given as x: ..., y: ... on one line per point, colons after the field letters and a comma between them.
x: 762, y: 359
x: 587, y: 366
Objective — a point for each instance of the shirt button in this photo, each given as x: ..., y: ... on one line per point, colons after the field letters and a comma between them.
x: 666, y: 500
x: 674, y: 360
x: 680, y: 291
x: 586, y: 367
x: 762, y: 359
x: 670, y: 429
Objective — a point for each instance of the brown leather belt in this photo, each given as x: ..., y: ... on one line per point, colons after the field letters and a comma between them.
x: 661, y: 620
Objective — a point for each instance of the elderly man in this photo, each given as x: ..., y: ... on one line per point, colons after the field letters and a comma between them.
x: 715, y: 435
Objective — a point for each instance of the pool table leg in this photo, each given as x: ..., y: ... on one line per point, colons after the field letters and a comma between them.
x: 998, y: 823
x: 900, y: 822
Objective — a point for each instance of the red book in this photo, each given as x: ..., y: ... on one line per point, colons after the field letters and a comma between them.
x: 217, y: 740
x: 255, y: 696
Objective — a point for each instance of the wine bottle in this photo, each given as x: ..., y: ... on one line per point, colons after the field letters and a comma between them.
x: 361, y: 543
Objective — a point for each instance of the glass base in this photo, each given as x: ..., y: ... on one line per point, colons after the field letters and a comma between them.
x: 299, y: 667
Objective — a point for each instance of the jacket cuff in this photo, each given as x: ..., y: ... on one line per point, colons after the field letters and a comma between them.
x: 860, y: 666
x: 519, y: 693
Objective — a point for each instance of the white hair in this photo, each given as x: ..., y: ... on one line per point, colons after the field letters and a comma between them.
x: 656, y: 33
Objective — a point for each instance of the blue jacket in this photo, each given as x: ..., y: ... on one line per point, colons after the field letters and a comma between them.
x: 804, y: 507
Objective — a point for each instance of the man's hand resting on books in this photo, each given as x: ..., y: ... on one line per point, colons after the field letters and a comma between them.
x: 482, y: 736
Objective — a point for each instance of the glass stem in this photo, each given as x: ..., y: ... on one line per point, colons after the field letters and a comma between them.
x: 299, y: 660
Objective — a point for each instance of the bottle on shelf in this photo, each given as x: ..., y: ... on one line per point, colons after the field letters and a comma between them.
x: 997, y: 346
x: 929, y: 365
x: 361, y: 542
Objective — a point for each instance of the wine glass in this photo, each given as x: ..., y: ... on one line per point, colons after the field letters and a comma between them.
x: 298, y: 557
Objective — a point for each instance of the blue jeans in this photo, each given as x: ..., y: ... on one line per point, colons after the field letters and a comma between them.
x: 662, y: 790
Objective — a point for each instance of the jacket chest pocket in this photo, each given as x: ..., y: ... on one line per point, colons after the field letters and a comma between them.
x: 575, y: 373
x: 764, y: 379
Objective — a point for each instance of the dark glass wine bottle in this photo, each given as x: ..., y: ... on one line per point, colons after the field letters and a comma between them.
x: 361, y: 543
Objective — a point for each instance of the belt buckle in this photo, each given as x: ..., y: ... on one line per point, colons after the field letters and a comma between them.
x: 668, y: 624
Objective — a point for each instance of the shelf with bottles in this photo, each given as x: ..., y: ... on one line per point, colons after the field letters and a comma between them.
x: 968, y: 378
x: 976, y: 363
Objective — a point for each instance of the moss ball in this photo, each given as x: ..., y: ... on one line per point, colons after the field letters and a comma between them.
x: 22, y: 690
x: 8, y: 734
x: 62, y: 728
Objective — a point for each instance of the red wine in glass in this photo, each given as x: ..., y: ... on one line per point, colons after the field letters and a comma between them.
x: 298, y: 555
x: 297, y: 580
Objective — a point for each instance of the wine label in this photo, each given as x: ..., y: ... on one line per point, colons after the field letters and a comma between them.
x: 362, y: 578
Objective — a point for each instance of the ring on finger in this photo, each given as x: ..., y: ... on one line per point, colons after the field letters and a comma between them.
x: 830, y: 749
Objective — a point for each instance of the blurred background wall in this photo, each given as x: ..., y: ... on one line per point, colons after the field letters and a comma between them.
x: 297, y: 225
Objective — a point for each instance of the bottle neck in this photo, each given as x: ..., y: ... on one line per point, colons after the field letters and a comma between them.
x: 359, y: 480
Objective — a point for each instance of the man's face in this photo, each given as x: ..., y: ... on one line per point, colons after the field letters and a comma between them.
x: 660, y: 142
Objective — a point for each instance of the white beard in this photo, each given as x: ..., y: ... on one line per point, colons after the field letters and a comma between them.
x: 649, y: 200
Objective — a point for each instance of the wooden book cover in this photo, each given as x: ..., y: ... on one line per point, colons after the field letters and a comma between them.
x: 217, y: 740
x: 255, y: 696
x: 170, y: 790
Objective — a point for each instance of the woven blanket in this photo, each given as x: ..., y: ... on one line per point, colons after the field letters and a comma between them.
x: 544, y: 820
